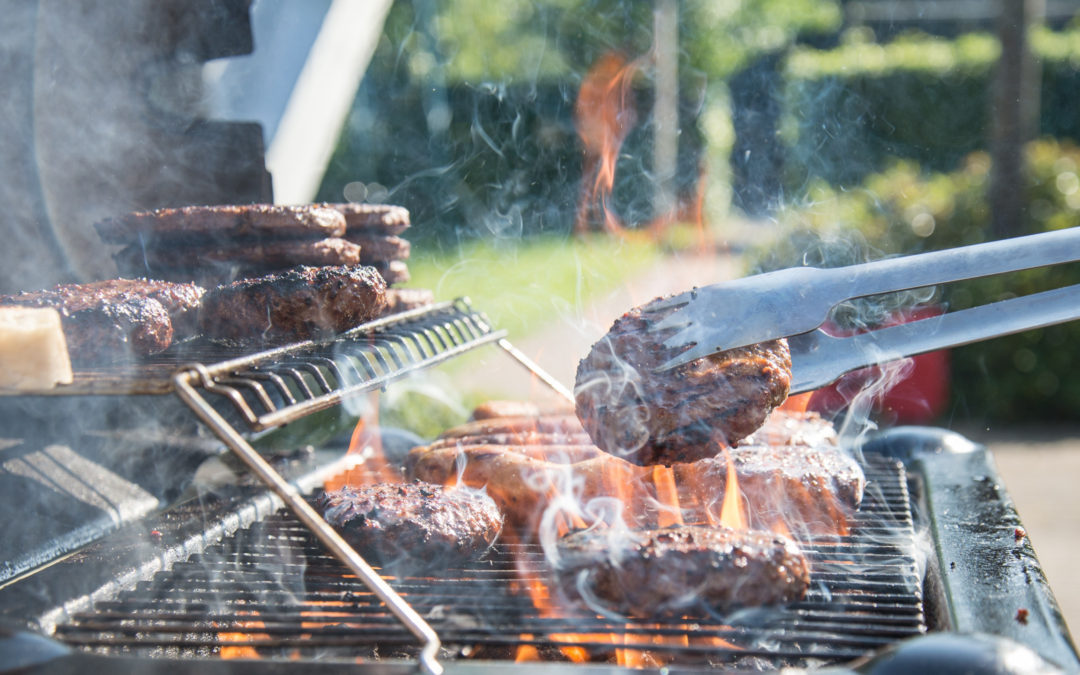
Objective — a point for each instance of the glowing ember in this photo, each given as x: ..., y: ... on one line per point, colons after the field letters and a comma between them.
x: 244, y: 634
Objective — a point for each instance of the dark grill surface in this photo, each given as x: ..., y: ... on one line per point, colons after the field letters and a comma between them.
x: 270, y: 591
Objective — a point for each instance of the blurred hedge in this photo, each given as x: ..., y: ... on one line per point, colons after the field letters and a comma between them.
x: 1027, y: 377
x: 850, y: 109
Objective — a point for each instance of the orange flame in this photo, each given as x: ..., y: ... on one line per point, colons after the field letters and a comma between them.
x: 604, y: 114
x: 365, y: 441
x: 732, y: 513
x: 541, y: 599
x: 667, y: 495
x: 797, y: 403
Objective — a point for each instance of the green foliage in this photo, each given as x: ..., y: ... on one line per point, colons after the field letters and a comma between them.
x: 520, y: 285
x: 723, y: 36
x: 970, y: 54
x: 852, y: 109
x: 903, y: 211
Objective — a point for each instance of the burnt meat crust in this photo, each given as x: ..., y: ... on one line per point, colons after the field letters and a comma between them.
x: 416, y: 524
x: 299, y: 304
x: 223, y: 224
x: 679, y: 415
x: 681, y: 569
x: 115, y: 319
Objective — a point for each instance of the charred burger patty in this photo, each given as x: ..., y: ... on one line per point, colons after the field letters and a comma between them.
x: 651, y: 417
x: 109, y: 320
x: 298, y: 304
x: 678, y: 569
x: 417, y: 525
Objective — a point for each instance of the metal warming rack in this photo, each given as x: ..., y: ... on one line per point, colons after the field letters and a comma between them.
x: 272, y: 388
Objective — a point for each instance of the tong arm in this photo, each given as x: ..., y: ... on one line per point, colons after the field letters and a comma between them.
x: 819, y: 359
x: 796, y: 300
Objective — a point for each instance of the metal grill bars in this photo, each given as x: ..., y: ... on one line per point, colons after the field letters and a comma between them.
x: 273, y: 589
x: 278, y: 386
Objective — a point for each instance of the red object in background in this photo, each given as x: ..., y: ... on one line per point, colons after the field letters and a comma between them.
x: 918, y: 397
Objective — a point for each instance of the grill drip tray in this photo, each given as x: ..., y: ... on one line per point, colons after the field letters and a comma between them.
x: 269, y: 591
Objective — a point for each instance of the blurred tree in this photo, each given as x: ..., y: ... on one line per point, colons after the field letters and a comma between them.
x: 466, y: 110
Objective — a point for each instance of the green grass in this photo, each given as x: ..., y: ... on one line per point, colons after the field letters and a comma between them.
x: 520, y: 285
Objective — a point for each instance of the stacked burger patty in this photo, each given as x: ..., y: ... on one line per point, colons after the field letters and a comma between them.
x: 257, y: 272
x: 219, y: 244
x: 275, y: 273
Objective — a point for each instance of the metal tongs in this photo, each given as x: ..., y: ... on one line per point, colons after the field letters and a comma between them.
x: 794, y: 303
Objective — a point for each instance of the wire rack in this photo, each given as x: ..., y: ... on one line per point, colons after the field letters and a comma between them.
x: 271, y: 388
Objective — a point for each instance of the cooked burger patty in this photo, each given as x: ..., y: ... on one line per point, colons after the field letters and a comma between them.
x: 682, y: 414
x: 678, y: 569
x: 265, y: 256
x: 373, y: 218
x: 403, y: 299
x: 393, y: 271
x: 222, y: 224
x: 110, y: 320
x: 414, y: 524
x: 811, y: 490
x: 380, y: 248
x: 298, y: 304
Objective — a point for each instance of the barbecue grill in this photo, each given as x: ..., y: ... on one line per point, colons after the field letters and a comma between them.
x: 171, y: 534
x: 241, y: 580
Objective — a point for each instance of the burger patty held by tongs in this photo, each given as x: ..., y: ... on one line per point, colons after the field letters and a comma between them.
x: 646, y: 416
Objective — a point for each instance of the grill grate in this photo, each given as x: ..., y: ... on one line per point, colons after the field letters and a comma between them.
x: 271, y: 591
x: 272, y: 388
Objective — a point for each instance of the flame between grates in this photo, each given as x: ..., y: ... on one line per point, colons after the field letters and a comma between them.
x: 270, y: 591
